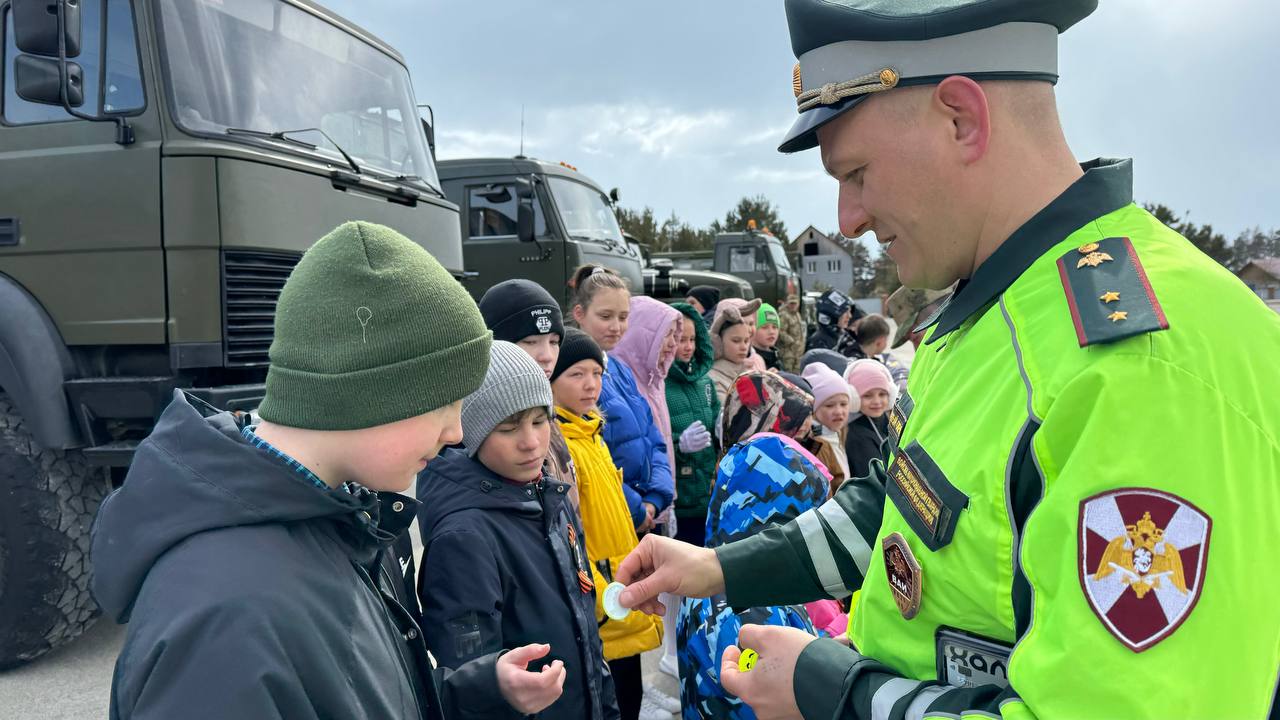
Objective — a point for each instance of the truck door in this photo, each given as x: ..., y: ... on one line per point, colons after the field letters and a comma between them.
x: 88, y: 209
x: 490, y: 244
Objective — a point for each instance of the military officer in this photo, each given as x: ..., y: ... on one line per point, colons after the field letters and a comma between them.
x: 1079, y: 516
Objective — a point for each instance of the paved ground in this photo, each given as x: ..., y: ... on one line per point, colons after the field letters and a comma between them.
x: 71, y: 683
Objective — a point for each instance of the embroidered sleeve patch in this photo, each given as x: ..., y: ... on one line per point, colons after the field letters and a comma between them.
x: 1143, y: 554
x: 1108, y: 292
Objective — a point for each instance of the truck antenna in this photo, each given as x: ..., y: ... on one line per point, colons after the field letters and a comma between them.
x: 521, y: 130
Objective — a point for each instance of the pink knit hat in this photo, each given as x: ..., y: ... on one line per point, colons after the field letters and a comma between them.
x: 825, y: 383
x: 866, y: 374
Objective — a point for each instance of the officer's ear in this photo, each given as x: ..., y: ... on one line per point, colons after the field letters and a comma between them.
x: 963, y: 103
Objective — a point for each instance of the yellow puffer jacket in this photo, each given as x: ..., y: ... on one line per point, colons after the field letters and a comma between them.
x: 606, y: 522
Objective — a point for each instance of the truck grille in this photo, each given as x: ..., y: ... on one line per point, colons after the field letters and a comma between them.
x: 251, y: 284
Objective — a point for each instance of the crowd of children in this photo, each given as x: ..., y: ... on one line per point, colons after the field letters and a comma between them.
x: 542, y: 454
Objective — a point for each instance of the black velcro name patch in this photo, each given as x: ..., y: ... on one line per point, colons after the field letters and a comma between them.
x: 899, y: 415
x: 924, y: 496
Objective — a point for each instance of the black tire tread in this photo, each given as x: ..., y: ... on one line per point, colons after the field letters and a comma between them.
x: 48, y: 499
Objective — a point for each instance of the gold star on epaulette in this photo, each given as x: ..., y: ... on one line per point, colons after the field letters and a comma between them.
x: 1094, y: 259
x: 1118, y: 315
x: 1110, y: 296
x: 1086, y: 249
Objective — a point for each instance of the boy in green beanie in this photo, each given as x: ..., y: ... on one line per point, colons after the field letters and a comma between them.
x: 253, y: 562
x: 766, y: 336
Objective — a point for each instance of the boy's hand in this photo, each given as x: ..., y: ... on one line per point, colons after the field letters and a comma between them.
x: 660, y: 564
x: 650, y: 512
x: 529, y: 692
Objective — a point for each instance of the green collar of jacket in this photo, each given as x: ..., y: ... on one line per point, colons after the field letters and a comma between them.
x: 1106, y: 186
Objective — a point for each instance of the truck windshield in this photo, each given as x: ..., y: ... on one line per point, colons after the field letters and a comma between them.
x: 269, y: 66
x: 583, y: 211
x: 779, y: 257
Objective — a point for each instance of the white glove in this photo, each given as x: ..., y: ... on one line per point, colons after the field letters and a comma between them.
x: 694, y: 438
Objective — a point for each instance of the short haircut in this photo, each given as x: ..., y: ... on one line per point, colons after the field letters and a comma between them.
x: 872, y: 328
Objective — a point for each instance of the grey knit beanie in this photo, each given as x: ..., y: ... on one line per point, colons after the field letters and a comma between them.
x: 514, y: 383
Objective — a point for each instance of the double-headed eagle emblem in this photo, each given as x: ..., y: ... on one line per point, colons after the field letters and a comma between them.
x: 1143, y: 559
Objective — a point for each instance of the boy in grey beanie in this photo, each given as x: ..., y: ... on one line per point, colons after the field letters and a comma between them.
x: 504, y: 559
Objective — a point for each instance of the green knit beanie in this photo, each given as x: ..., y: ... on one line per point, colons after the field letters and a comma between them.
x: 370, y: 330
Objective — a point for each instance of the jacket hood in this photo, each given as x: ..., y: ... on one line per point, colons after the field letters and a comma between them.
x: 641, y: 345
x: 454, y: 482
x: 194, y: 474
x: 731, y: 311
x: 704, y: 354
x: 768, y: 480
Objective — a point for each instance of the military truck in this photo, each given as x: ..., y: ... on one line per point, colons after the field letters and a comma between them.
x: 163, y: 164
x: 534, y: 219
x: 753, y: 255
x: 668, y: 283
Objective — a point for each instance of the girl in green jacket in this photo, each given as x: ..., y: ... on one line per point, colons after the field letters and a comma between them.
x: 693, y: 404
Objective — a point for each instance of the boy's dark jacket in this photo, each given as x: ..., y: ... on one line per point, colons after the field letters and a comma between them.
x: 250, y: 593
x: 499, y: 570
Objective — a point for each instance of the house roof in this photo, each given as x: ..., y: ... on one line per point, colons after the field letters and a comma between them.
x: 1268, y: 265
x: 839, y: 241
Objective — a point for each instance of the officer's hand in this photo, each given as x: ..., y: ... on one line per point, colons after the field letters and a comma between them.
x: 768, y: 687
x: 660, y: 564
x: 529, y: 692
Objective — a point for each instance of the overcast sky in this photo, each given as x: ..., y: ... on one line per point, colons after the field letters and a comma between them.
x: 682, y: 104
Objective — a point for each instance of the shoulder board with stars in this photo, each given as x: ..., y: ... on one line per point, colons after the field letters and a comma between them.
x: 1108, y: 292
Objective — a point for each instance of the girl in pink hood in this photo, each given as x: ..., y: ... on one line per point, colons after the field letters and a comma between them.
x: 648, y: 348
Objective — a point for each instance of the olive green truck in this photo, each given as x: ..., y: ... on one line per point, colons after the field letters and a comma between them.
x: 163, y: 164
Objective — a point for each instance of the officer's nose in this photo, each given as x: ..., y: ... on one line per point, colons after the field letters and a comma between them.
x: 854, y: 218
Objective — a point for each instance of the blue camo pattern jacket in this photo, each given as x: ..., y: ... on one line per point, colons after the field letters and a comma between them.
x: 767, y: 480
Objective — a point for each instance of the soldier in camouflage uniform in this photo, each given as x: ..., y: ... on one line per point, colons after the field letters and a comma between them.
x: 792, y: 336
x: 768, y: 480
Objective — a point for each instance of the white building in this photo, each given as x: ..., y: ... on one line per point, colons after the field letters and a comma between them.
x: 823, y: 261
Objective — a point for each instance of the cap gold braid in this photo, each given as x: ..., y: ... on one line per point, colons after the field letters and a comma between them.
x: 832, y: 93
x: 796, y: 85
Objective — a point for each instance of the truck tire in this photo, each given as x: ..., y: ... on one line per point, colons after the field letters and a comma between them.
x: 47, y: 502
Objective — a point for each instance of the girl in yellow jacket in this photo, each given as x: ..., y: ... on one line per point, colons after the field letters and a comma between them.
x: 606, y: 519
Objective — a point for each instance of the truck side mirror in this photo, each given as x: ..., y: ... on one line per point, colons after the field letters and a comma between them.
x: 615, y: 196
x: 35, y: 27
x: 431, y: 137
x: 524, y: 210
x: 37, y: 80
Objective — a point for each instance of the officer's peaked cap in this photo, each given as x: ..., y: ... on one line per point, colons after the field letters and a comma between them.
x: 851, y: 49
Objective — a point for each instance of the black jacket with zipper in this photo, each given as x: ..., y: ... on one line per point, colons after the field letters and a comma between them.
x: 252, y: 593
x: 500, y: 569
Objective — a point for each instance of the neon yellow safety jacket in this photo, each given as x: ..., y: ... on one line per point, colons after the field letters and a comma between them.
x: 1081, y: 514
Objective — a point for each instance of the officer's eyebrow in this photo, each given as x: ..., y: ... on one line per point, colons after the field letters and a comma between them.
x: 830, y: 166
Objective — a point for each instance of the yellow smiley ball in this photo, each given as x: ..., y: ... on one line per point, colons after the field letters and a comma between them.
x: 747, y: 660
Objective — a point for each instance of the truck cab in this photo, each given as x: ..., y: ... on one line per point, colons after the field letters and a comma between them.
x: 528, y: 218
x: 760, y: 259
x: 163, y: 165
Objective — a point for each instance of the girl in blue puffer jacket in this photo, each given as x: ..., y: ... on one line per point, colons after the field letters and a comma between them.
x: 601, y: 306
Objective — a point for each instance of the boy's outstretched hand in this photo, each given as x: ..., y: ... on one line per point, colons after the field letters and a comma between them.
x: 529, y: 692
x: 660, y: 564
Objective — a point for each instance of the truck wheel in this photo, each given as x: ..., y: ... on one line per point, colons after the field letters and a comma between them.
x: 47, y: 502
